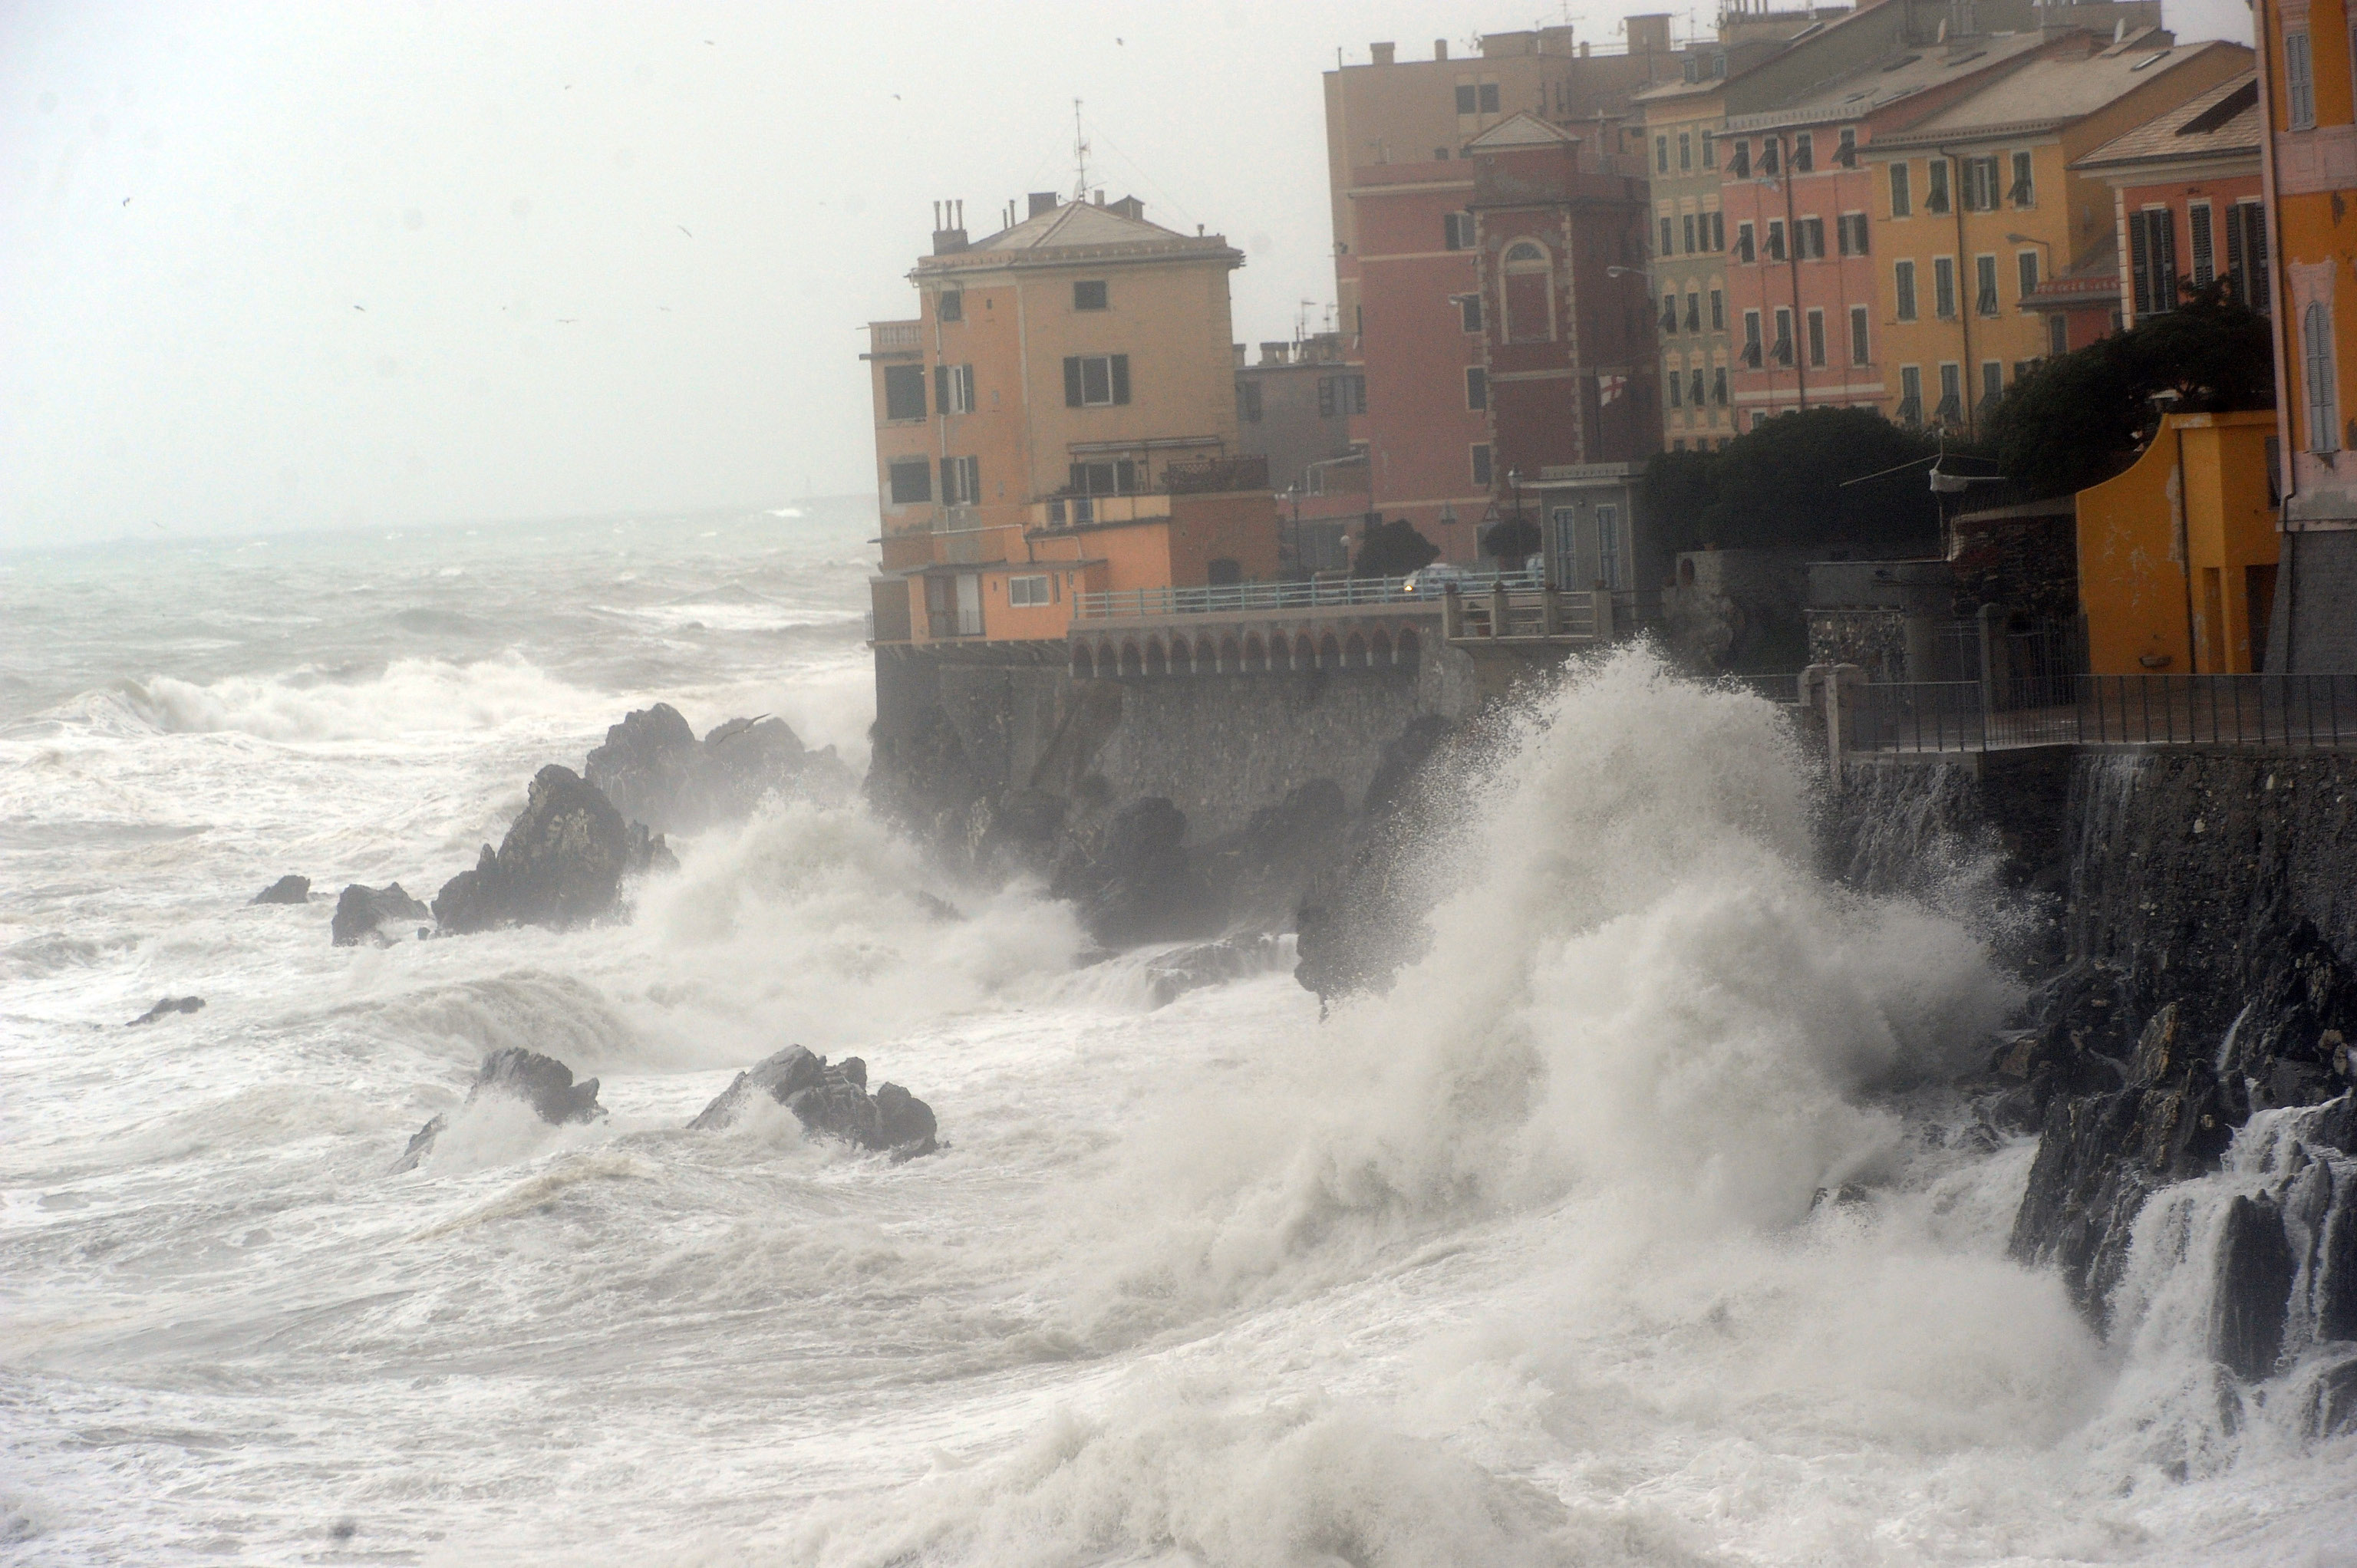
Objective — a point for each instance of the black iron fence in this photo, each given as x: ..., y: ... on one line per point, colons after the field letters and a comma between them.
x: 2301, y: 712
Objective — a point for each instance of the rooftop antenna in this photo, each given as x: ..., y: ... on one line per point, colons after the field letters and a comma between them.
x: 1079, y: 155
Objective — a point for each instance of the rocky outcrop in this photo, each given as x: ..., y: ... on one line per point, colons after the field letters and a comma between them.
x: 1362, y: 919
x: 562, y: 863
x: 362, y: 912
x: 1174, y: 974
x: 654, y: 770
x: 829, y: 1101
x: 542, y: 1083
x: 169, y: 1008
x: 1140, y: 885
x: 285, y: 890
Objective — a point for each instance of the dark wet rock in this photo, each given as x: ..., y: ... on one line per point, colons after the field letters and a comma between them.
x: 1140, y: 885
x: 1172, y: 974
x: 1365, y: 918
x: 2333, y: 1407
x: 542, y: 1083
x: 655, y: 771
x: 168, y: 1006
x: 829, y: 1101
x: 2253, y: 1282
x: 562, y: 863
x: 1265, y: 870
x: 287, y: 889
x: 360, y: 912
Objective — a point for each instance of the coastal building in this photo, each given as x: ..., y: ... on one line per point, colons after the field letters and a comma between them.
x: 1059, y: 418
x: 2186, y: 195
x: 1981, y: 203
x: 2308, y: 167
x: 1293, y: 410
x: 1405, y: 275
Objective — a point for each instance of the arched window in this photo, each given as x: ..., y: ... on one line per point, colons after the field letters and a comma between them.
x: 2323, y: 379
x: 1085, y: 664
x: 1529, y: 293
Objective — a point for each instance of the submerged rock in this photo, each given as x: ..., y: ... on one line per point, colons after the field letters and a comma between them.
x: 289, y: 890
x: 829, y: 1101
x: 360, y: 911
x: 654, y: 770
x: 169, y: 1005
x: 562, y: 863
x: 542, y: 1083
x: 1172, y: 974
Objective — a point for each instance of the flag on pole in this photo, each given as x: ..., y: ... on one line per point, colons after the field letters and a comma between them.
x: 1609, y: 388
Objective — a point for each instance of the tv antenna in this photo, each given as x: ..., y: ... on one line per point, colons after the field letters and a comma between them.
x: 1079, y: 155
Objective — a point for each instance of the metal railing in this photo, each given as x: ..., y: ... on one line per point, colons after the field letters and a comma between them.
x: 1244, y: 599
x: 2302, y: 712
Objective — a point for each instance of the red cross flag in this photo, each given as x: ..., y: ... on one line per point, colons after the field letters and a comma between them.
x: 1609, y: 388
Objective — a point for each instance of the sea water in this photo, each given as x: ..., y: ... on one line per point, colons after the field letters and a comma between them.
x: 1524, y: 1264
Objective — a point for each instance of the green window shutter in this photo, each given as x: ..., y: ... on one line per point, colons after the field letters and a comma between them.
x: 942, y: 387
x: 1121, y: 378
x: 1073, y: 382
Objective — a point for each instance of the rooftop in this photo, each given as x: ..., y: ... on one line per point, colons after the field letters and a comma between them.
x: 2223, y: 122
x: 2061, y: 87
x: 1081, y: 232
x: 1896, y: 76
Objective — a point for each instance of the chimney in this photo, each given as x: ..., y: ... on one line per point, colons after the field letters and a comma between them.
x: 1100, y: 195
x: 1275, y: 353
x: 1043, y: 201
x: 1128, y: 207
x: 1383, y: 52
x: 1649, y: 33
x: 949, y: 227
x: 1440, y: 49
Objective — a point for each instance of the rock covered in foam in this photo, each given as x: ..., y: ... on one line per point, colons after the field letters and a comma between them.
x: 561, y: 864
x: 362, y: 911
x: 1139, y: 884
x: 654, y: 770
x: 168, y: 1006
x: 542, y: 1083
x: 829, y: 1101
x: 288, y: 890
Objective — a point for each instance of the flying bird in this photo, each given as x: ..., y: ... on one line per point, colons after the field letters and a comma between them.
x: 683, y: 228
x: 126, y: 201
x: 362, y: 308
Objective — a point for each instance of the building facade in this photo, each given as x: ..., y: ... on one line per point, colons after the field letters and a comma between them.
x: 2187, y: 199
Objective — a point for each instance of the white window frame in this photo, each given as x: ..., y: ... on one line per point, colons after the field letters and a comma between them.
x: 1028, y: 593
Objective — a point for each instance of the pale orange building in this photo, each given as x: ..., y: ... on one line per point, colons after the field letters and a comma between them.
x: 1059, y: 418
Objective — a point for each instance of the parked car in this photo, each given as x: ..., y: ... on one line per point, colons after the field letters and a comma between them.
x: 1433, y: 579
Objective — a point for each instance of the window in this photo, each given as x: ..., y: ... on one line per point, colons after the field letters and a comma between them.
x: 1095, y: 381
x: 2323, y: 381
x: 2246, y: 254
x: 1089, y: 296
x: 2152, y: 261
x: 1984, y: 285
x: 1718, y: 311
x: 2025, y: 267
x: 1902, y: 203
x: 1669, y: 312
x: 1481, y: 465
x: 1676, y: 383
x: 1772, y: 157
x: 1952, y: 395
x: 953, y: 388
x: 2022, y: 367
x: 1718, y: 386
x: 1743, y: 242
x: 2024, y: 190
x: 1804, y: 153
x: 1667, y: 249
x: 1751, y: 339
x: 1344, y: 394
x: 1709, y: 150
x: 1686, y: 230
x: 1739, y: 161
x: 1809, y: 239
x: 2197, y: 233
x: 1816, y: 337
x: 2057, y: 333
x: 1935, y: 187
x: 1457, y: 230
x: 1859, y: 354
x: 1903, y: 276
x: 1661, y: 154
x: 2299, y: 90
x: 904, y: 391
x: 1846, y: 154
x: 1121, y: 478
x: 911, y: 479
x: 951, y: 306
x: 1686, y: 152
x: 960, y: 481
x: 1944, y: 287
x: 1851, y: 227
x: 1910, y: 394
x: 1248, y: 402
x: 1027, y: 593
x: 1468, y: 100
x: 1694, y: 386
x: 1489, y: 98
x: 1607, y: 546
x: 1470, y: 304
x: 1783, y: 346
x: 1775, y: 239
x: 1980, y: 185
x: 1992, y: 383
x: 1718, y: 231
x: 1693, y: 311
x: 1477, y: 387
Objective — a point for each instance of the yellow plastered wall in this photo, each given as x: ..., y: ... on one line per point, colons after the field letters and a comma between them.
x: 2176, y: 553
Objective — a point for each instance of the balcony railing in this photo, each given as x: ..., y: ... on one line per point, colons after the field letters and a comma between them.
x: 1245, y: 599
x: 895, y: 337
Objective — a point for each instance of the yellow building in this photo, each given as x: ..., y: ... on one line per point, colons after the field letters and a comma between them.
x: 2177, y: 556
x: 1066, y: 381
x: 1978, y: 204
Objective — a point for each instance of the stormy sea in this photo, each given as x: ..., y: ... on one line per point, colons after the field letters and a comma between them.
x: 1532, y: 1261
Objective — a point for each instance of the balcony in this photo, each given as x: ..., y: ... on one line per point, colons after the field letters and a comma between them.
x: 895, y: 339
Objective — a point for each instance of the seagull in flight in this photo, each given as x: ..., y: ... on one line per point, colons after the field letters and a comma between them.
x: 683, y: 228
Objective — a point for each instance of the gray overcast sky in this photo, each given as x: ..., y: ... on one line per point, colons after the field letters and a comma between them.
x: 296, y: 265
